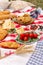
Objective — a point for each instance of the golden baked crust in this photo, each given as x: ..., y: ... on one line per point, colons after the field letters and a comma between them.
x: 4, y: 12
x: 25, y: 19
x: 11, y: 45
x: 3, y: 33
x: 6, y: 15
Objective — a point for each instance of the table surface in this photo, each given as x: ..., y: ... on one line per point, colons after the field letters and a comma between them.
x: 16, y: 59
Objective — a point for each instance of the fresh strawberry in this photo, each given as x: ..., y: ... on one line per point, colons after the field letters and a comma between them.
x: 31, y: 35
x: 25, y: 38
x: 35, y: 35
x: 22, y: 36
x: 27, y: 34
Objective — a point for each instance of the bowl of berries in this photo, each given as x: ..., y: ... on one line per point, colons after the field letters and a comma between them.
x: 28, y: 38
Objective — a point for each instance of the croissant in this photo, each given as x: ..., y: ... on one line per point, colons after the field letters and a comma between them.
x: 4, y: 12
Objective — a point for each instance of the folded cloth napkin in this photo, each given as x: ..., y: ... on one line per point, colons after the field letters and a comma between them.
x: 37, y: 56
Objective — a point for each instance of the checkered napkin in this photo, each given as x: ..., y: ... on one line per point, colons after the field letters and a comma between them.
x: 37, y: 56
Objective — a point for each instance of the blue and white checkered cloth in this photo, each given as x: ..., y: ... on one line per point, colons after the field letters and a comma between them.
x: 37, y: 56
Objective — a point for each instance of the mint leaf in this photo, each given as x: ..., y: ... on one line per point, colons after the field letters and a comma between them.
x: 12, y: 30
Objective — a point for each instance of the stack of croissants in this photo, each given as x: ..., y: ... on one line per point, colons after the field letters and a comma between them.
x: 6, y: 15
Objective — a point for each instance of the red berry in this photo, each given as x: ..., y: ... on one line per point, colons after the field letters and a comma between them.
x: 31, y: 35
x: 25, y: 38
x: 35, y: 35
x: 27, y: 34
x: 22, y: 36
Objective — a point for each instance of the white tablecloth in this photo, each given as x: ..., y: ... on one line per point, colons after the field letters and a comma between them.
x: 16, y: 59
